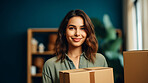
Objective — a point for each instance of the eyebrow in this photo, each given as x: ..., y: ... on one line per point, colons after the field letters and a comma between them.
x: 75, y: 26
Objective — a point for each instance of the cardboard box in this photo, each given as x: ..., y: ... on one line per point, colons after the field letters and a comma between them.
x: 87, y: 75
x: 135, y: 66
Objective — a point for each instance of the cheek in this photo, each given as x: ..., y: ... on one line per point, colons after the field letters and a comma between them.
x: 84, y: 34
x: 68, y: 34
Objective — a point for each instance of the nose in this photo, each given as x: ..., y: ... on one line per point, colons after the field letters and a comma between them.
x: 77, y: 33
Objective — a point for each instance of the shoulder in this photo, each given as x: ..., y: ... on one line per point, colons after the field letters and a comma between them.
x: 100, y: 60
x: 50, y: 62
x: 48, y: 67
x: 100, y: 56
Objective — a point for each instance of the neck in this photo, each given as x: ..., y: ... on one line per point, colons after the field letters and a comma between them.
x: 74, y: 51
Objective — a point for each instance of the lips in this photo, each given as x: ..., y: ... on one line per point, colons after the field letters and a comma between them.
x: 76, y: 39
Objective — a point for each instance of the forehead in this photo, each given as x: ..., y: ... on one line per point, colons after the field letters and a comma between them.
x: 76, y: 20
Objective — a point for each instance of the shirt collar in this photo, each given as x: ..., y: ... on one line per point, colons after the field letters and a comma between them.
x: 83, y: 54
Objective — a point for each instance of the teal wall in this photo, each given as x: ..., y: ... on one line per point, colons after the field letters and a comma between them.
x: 16, y: 16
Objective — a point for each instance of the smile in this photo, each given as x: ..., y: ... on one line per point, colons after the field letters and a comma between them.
x: 76, y: 39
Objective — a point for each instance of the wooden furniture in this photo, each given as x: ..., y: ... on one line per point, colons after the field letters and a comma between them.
x: 30, y: 55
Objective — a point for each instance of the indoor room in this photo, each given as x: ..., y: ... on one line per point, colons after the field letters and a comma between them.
x: 32, y: 30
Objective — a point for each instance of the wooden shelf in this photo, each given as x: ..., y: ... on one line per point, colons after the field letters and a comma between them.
x: 31, y: 56
x: 44, y: 53
x: 37, y: 75
x: 44, y: 29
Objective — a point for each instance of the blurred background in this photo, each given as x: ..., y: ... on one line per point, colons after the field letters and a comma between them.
x: 120, y: 25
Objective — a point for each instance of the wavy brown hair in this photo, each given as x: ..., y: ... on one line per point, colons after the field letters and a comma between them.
x: 90, y: 46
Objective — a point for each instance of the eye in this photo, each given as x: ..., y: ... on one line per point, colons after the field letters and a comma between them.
x: 71, y: 28
x: 82, y: 28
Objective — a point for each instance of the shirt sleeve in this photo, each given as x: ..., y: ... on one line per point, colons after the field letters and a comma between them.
x: 46, y: 78
x: 101, y: 61
x: 105, y: 63
x: 46, y: 73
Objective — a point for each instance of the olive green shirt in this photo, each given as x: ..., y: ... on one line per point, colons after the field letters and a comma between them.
x: 51, y: 68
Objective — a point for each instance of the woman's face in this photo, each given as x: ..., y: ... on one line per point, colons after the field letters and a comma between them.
x: 75, y: 31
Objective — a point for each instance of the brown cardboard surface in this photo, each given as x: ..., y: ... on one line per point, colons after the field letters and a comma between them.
x: 136, y: 66
x: 104, y: 75
x: 87, y: 75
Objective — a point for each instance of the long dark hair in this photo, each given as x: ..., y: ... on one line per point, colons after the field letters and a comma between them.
x: 90, y: 46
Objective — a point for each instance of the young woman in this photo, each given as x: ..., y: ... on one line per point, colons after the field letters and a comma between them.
x: 76, y: 47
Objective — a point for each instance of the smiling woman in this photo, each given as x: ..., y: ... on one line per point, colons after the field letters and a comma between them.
x: 75, y: 32
x: 76, y: 47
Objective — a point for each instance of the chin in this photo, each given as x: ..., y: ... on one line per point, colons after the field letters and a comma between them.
x: 77, y: 45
